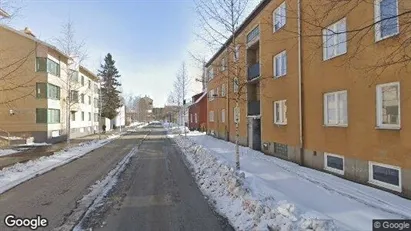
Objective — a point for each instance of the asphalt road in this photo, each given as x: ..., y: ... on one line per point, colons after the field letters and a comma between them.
x: 54, y: 194
x: 156, y: 192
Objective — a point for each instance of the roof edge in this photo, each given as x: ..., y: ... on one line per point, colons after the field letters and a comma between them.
x: 240, y: 29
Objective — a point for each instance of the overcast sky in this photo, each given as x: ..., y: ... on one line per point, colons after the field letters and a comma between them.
x: 149, y: 39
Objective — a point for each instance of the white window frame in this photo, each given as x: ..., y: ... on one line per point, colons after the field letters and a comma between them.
x: 211, y: 96
x: 371, y: 179
x: 210, y: 73
x: 280, y: 58
x: 191, y: 117
x: 379, y: 106
x: 217, y: 91
x: 236, y: 53
x: 283, y: 114
x: 223, y: 64
x: 211, y: 116
x: 195, y: 118
x: 325, y: 108
x: 331, y: 169
x: 223, y: 90
x: 223, y: 115
x: 236, y: 85
x: 334, y: 28
x: 377, y: 18
x: 283, y: 18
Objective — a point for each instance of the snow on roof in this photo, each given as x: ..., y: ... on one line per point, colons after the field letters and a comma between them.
x: 202, y: 96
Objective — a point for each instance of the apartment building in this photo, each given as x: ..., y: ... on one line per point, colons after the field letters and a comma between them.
x: 315, y: 92
x: 84, y: 106
x: 197, y: 112
x: 34, y: 88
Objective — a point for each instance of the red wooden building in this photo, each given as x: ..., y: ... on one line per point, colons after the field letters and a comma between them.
x: 197, y: 112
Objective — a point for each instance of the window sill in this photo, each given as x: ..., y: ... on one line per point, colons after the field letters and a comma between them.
x: 385, y: 185
x: 333, y: 170
x: 397, y: 128
x: 280, y: 124
x: 334, y: 57
x: 335, y: 125
x: 386, y: 37
x: 280, y: 76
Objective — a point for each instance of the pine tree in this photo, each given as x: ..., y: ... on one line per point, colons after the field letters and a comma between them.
x: 110, y: 95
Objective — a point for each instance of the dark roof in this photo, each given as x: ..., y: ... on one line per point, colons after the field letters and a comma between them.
x: 247, y: 21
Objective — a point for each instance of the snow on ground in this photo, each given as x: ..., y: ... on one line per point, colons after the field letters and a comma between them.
x: 32, y: 144
x: 285, y: 196
x: 173, y: 128
x: 20, y: 172
x: 12, y: 138
x: 5, y: 152
x: 134, y: 124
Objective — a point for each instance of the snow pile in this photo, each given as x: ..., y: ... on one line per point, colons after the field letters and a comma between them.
x: 32, y: 144
x: 135, y: 124
x: 21, y: 172
x: 173, y: 128
x: 232, y: 198
x: 314, y: 195
x: 12, y: 138
x: 5, y: 152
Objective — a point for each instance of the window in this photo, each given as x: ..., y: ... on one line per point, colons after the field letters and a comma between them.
x: 280, y: 112
x: 223, y: 64
x: 53, y: 116
x: 335, y: 108
x: 210, y: 73
x: 217, y: 92
x: 89, y: 84
x: 195, y: 118
x: 82, y: 98
x: 223, y: 90
x: 95, y: 89
x: 95, y: 116
x: 73, y: 116
x: 89, y: 116
x: 335, y: 40
x: 82, y: 116
x: 74, y: 96
x: 279, y: 17
x: 53, y: 92
x: 223, y: 115
x: 236, y: 53
x: 41, y: 90
x: 235, y: 84
x: 255, y: 33
x: 41, y: 115
x: 45, y: 64
x: 384, y: 175
x: 73, y: 75
x: 211, y: 115
x: 95, y: 102
x: 82, y: 80
x: 191, y: 118
x: 280, y: 64
x: 211, y: 95
x: 46, y: 90
x: 89, y: 100
x: 386, y: 19
x: 388, y: 105
x: 334, y: 163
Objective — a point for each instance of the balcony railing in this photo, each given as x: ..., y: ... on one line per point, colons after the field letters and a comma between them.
x: 253, y: 71
x: 253, y: 107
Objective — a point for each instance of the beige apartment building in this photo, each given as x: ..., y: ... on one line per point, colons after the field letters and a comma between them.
x: 312, y: 89
x: 34, y: 87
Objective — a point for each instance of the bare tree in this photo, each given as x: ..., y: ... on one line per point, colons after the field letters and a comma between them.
x: 77, y: 54
x: 220, y: 21
x: 180, y: 91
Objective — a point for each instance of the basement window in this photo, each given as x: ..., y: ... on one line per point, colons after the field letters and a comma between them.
x: 334, y: 163
x: 386, y: 176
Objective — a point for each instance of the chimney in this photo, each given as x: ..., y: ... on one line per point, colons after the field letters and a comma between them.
x: 28, y: 32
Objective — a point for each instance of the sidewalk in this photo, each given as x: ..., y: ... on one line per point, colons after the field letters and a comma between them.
x: 32, y: 153
x: 291, y: 190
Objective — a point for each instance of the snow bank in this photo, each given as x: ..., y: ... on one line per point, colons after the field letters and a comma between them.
x: 235, y: 200
x: 21, y: 172
x: 12, y: 138
x: 173, y: 128
x: 312, y: 197
x: 5, y: 152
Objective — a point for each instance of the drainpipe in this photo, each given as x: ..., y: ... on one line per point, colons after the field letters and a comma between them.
x: 300, y: 83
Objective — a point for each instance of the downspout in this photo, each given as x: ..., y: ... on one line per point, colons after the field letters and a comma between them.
x: 300, y: 83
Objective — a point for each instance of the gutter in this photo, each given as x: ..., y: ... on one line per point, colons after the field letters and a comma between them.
x: 300, y: 83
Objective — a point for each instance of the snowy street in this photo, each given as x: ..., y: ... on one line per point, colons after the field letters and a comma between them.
x: 270, y: 192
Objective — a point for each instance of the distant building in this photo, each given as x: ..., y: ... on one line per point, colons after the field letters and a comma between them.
x: 158, y: 113
x: 198, y: 112
x: 145, y: 109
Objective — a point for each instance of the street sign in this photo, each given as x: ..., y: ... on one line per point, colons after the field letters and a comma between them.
x: 237, y: 115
